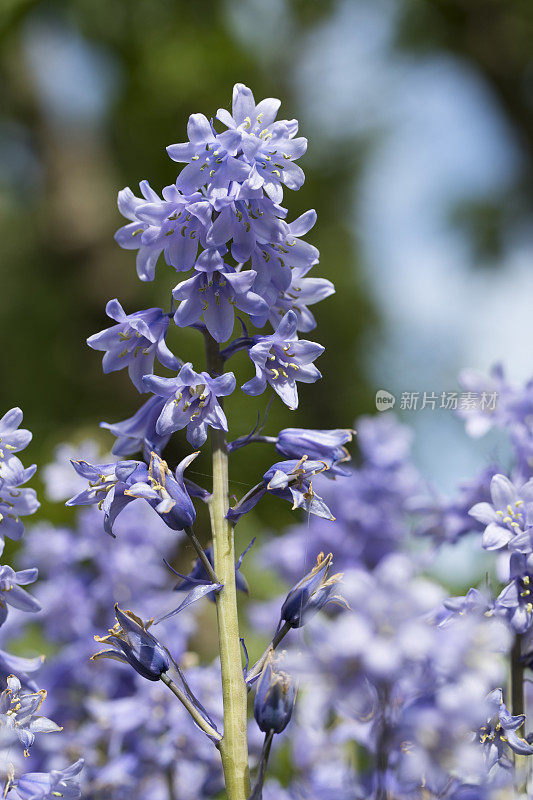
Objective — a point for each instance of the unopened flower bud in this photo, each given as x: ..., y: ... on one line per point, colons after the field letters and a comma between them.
x: 274, y: 699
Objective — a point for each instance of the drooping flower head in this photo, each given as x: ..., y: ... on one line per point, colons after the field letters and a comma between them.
x: 311, y: 594
x: 319, y: 445
x: 267, y: 145
x: 12, y: 438
x: 138, y: 433
x: 16, y: 500
x: 12, y: 593
x: 46, y: 785
x: 174, y: 225
x: 281, y: 360
x: 113, y: 486
x: 134, y: 342
x: 165, y: 492
x: 107, y: 487
x: 256, y: 151
x: 191, y: 401
x: 210, y: 158
x: 213, y: 293
x: 290, y: 480
x: 133, y: 644
x: 19, y: 713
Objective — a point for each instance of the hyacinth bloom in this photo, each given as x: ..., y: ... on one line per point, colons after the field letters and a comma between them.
x: 281, y: 360
x: 290, y: 480
x: 515, y: 601
x: 115, y: 485
x: 22, y: 666
x: 248, y: 225
x: 175, y: 225
x: 279, y: 263
x: 509, y: 513
x: 210, y: 158
x: 267, y: 145
x: 134, y: 342
x: 213, y: 293
x: 12, y: 593
x: 12, y: 438
x: 133, y: 644
x: 500, y: 733
x: 107, y: 486
x: 15, y: 501
x: 274, y: 698
x: 319, y: 445
x: 18, y: 713
x: 302, y: 292
x: 138, y: 433
x: 474, y: 602
x: 311, y: 594
x: 130, y: 236
x: 191, y: 401
x: 166, y: 493
x: 46, y: 785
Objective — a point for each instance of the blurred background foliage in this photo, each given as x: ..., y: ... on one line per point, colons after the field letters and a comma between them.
x: 92, y: 94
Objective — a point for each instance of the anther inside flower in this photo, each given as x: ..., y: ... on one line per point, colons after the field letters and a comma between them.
x: 134, y: 342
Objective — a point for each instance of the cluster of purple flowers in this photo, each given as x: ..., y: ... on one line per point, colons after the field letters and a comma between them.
x: 395, y: 695
x: 395, y: 670
x: 134, y: 741
x: 403, y: 674
x: 223, y: 223
x: 20, y: 701
x: 495, y: 506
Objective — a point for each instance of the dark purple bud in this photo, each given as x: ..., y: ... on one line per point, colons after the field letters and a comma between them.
x: 274, y: 699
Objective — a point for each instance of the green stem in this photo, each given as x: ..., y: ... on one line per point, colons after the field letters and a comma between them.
x: 234, y: 744
x: 201, y: 555
x: 193, y: 711
x: 517, y: 677
x: 517, y: 705
x: 257, y: 793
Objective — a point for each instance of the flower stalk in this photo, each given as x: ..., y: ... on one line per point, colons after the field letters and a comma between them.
x: 234, y: 744
x: 193, y: 711
x: 517, y: 705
